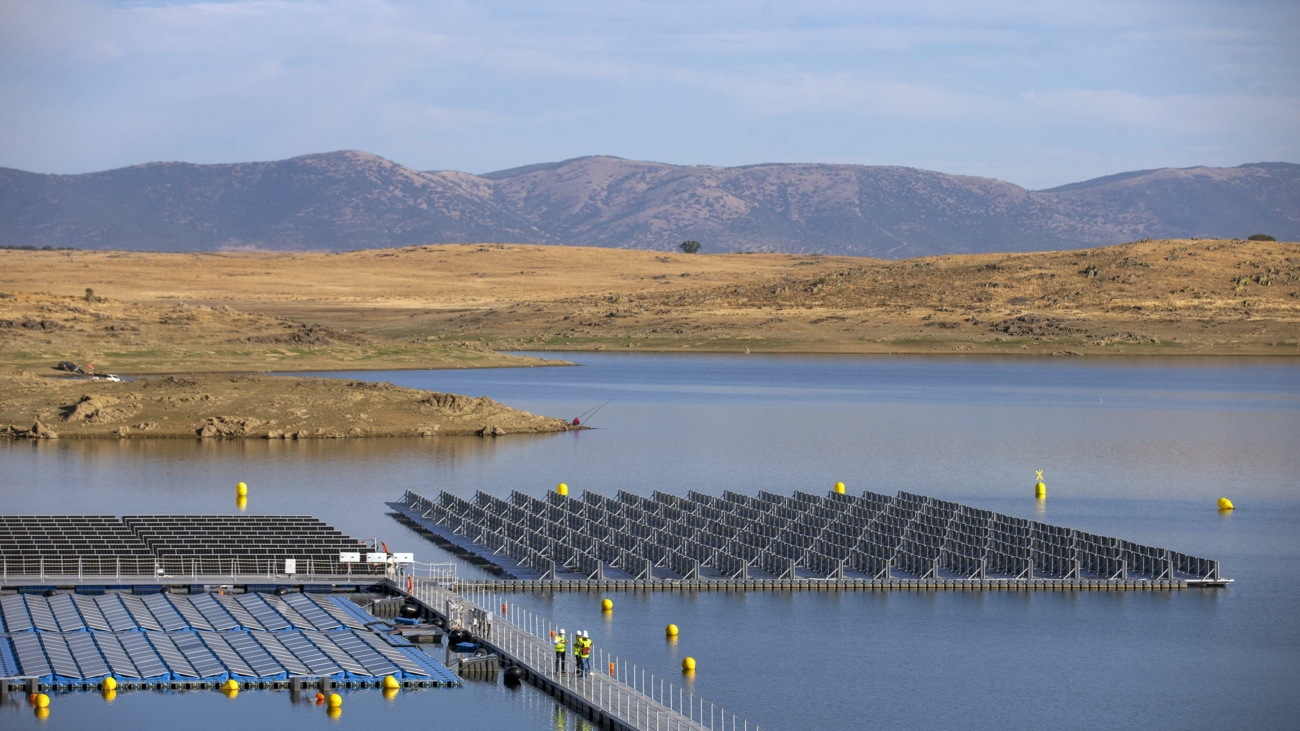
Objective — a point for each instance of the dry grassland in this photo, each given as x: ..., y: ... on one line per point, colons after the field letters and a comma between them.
x: 1167, y: 297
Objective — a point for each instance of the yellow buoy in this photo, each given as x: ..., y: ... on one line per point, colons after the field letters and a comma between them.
x: 241, y: 502
x: 110, y: 683
x: 607, y: 604
x: 42, y: 701
x: 241, y: 490
x: 231, y: 684
x: 390, y: 683
x: 230, y: 693
x: 562, y: 488
x: 839, y: 487
x: 671, y: 630
x: 688, y: 665
x: 1225, y: 504
x: 336, y: 700
x: 390, y: 694
x: 1040, y: 490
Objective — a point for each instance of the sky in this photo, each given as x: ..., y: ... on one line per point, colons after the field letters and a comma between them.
x: 1036, y: 92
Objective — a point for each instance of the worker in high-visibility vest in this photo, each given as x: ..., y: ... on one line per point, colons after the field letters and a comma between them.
x: 584, y: 652
x: 561, y: 648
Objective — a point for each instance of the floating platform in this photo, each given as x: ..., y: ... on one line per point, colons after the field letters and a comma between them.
x: 74, y: 641
x: 801, y: 541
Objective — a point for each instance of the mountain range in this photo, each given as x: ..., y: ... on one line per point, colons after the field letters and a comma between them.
x: 355, y: 200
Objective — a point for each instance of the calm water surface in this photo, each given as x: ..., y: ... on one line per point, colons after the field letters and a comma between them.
x: 1139, y: 449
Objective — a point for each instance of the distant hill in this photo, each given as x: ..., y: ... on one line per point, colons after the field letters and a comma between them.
x: 354, y: 200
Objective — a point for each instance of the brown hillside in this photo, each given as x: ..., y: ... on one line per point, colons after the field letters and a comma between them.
x: 1179, y: 296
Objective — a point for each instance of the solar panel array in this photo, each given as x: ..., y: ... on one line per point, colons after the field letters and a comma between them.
x: 802, y: 536
x: 175, y: 638
x: 177, y: 545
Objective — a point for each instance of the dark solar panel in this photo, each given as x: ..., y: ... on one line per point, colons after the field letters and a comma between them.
x: 171, y: 655
x: 56, y: 649
x: 140, y: 613
x: 113, y: 652
x: 231, y: 659
x: 87, y: 655
x: 42, y: 617
x: 241, y: 615
x: 90, y: 613
x: 264, y: 666
x: 278, y: 651
x: 15, y: 611
x: 199, y: 656
x: 165, y: 613
x: 66, y: 613
x: 142, y: 655
x: 115, y: 613
x: 193, y: 617
x: 214, y: 613
x: 312, y: 612
x: 262, y: 611
x: 306, y: 652
x: 365, y: 654
x: 335, y: 653
x: 31, y: 658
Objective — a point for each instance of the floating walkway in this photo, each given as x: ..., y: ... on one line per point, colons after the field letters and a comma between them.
x: 802, y: 541
x: 74, y: 641
x: 617, y: 695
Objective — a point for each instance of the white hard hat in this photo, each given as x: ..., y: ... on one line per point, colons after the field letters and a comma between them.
x: 561, y: 631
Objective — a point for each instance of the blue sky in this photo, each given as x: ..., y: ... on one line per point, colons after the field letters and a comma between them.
x: 1039, y: 93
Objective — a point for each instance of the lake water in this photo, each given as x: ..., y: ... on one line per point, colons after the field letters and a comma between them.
x: 1138, y: 449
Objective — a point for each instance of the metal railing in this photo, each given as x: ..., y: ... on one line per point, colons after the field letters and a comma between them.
x: 235, y: 568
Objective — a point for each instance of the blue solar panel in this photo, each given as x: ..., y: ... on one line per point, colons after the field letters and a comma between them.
x: 391, y: 654
x: 226, y: 654
x: 56, y: 649
x: 15, y: 611
x: 199, y: 656
x: 312, y: 612
x: 90, y: 613
x: 165, y: 613
x: 140, y: 613
x: 214, y: 613
x: 167, y: 650
x: 262, y: 611
x: 142, y: 655
x: 285, y: 610
x: 241, y: 615
x: 254, y: 654
x: 115, y: 613
x: 42, y: 617
x: 305, y: 651
x: 344, y: 618
x: 193, y: 617
x: 282, y: 655
x: 66, y: 613
x: 87, y: 655
x: 336, y: 653
x: 365, y: 654
x: 118, y: 661
x: 31, y: 658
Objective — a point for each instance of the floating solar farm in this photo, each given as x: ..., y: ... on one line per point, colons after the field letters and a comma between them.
x: 797, y: 541
x: 178, y: 545
x: 201, y: 640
